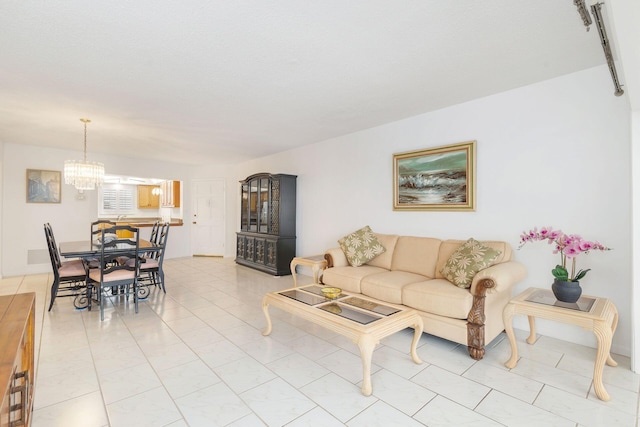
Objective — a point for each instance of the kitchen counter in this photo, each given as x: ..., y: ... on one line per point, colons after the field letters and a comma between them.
x: 144, y: 222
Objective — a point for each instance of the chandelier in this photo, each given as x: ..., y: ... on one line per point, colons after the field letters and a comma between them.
x: 84, y: 175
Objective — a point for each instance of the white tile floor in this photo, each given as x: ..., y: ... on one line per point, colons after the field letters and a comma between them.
x: 196, y: 357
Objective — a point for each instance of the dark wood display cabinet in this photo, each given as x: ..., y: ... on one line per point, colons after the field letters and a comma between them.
x: 267, y: 237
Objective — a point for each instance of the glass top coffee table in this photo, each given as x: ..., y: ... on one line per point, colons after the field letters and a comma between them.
x: 362, y: 319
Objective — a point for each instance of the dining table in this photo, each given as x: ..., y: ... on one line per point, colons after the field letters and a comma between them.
x: 90, y: 250
x: 87, y: 249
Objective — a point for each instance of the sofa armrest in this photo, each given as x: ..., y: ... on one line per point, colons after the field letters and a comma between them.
x: 335, y: 258
x: 503, y: 276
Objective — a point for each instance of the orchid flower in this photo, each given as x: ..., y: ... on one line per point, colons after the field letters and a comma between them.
x: 569, y: 246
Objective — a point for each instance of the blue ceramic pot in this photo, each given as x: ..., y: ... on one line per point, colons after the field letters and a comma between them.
x: 566, y: 291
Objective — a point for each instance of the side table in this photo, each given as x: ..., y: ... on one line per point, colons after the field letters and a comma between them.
x: 595, y: 314
x: 316, y: 262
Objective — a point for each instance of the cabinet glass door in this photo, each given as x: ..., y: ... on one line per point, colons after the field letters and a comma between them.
x: 244, y: 211
x: 264, y: 205
x: 253, y: 205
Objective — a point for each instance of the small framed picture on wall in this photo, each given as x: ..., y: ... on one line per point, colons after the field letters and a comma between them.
x: 43, y: 186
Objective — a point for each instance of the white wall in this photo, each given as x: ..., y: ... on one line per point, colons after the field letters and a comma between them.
x: 626, y: 33
x: 555, y: 153
x: 635, y: 226
x: 22, y: 223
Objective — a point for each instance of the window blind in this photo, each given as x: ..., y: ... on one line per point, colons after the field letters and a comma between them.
x: 117, y: 200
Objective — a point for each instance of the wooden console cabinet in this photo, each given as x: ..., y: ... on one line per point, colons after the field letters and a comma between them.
x: 17, y: 331
x: 267, y: 237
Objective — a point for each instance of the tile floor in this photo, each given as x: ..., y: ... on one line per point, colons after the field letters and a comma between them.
x: 196, y: 357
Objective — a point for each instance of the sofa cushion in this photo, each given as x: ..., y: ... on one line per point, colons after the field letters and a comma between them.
x: 388, y: 286
x: 389, y: 242
x: 449, y: 246
x: 438, y: 297
x: 470, y: 257
x: 348, y: 278
x: 416, y: 255
x: 361, y: 246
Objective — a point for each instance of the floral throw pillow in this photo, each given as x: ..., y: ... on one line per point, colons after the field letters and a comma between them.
x: 471, y: 257
x: 361, y: 246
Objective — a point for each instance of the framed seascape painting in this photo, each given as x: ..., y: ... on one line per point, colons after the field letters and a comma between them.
x: 438, y: 179
x: 43, y: 186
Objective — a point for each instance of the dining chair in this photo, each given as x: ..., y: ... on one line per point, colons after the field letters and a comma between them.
x: 69, y: 277
x: 96, y: 230
x: 153, y: 238
x: 102, y: 223
x: 151, y: 272
x: 99, y: 225
x: 110, y: 278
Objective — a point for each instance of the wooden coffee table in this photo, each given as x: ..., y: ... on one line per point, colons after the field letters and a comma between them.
x: 362, y: 319
x: 591, y: 313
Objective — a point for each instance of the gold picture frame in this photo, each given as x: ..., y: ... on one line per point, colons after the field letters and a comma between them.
x: 436, y: 179
x: 44, y: 186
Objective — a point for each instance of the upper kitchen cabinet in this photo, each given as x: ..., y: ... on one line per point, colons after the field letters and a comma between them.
x: 170, y: 195
x: 148, y: 196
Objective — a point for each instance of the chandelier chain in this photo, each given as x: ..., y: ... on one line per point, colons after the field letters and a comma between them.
x: 85, y: 121
x: 85, y: 142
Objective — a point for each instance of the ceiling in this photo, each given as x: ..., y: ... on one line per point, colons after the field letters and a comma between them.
x: 219, y: 81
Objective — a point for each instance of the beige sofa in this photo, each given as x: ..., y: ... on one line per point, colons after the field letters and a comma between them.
x: 408, y: 273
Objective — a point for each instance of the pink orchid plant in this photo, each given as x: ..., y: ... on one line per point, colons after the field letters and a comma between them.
x: 569, y: 246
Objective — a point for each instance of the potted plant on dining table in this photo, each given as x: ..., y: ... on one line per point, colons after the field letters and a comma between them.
x: 566, y: 286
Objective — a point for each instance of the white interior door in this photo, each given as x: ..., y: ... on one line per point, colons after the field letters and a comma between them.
x: 207, y: 225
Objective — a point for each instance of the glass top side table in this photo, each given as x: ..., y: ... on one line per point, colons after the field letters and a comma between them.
x: 316, y: 262
x: 595, y: 314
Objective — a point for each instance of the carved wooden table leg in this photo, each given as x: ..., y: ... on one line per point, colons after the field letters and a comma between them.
x: 265, y: 309
x: 294, y: 263
x: 604, y: 331
x: 315, y: 268
x: 366, y: 344
x: 603, y: 334
x: 532, y: 330
x: 507, y: 317
x: 417, y: 333
x: 614, y: 325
